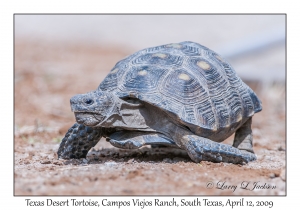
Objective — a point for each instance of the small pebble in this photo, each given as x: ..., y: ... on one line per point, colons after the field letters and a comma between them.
x: 131, y: 160
x: 45, y: 162
x: 110, y: 164
x: 272, y: 175
x: 85, y: 161
x: 102, y: 168
x: 59, y: 163
x: 167, y: 160
x: 55, y: 156
x: 282, y: 175
x: 27, y: 162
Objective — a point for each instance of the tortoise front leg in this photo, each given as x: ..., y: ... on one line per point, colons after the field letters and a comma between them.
x: 78, y: 141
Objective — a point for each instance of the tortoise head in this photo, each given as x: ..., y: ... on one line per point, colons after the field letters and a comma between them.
x: 94, y: 107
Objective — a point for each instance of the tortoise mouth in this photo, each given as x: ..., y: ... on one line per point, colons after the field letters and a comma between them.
x: 88, y: 118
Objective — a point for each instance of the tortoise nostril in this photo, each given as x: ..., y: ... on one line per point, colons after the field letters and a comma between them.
x: 89, y: 101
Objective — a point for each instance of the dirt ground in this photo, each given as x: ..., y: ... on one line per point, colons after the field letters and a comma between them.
x: 48, y: 74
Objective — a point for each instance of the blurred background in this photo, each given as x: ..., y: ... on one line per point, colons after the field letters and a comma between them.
x: 254, y: 44
x: 58, y: 56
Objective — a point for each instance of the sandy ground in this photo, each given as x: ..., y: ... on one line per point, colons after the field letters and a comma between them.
x: 47, y: 75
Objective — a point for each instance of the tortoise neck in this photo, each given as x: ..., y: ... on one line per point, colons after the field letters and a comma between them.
x: 127, y: 115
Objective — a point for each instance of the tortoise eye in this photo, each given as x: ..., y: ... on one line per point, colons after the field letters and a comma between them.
x: 89, y: 101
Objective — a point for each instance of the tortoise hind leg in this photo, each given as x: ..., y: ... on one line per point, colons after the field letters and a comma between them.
x: 137, y: 139
x: 243, y: 137
x: 200, y: 148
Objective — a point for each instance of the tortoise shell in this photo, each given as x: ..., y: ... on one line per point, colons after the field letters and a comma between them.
x: 190, y: 82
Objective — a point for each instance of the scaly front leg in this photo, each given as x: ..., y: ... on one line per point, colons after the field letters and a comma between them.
x: 78, y: 141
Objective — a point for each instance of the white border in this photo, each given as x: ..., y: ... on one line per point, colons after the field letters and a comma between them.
x: 8, y: 8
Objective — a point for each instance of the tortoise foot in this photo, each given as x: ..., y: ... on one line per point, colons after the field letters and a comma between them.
x: 78, y: 141
x: 200, y: 148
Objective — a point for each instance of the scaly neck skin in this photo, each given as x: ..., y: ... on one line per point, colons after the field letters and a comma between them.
x: 126, y: 115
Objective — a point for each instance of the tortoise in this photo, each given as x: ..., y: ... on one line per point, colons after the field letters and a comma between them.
x: 181, y: 95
